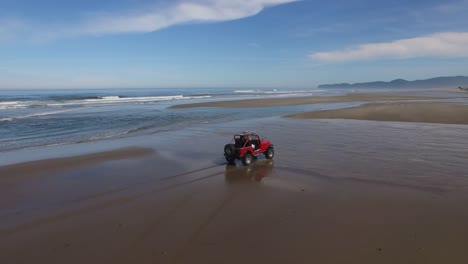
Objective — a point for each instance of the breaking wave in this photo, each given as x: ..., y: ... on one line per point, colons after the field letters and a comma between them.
x: 114, y: 99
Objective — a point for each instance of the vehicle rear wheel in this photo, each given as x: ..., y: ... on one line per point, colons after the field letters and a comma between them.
x: 230, y: 160
x: 269, y: 153
x: 247, y: 159
x: 230, y: 149
x: 230, y: 153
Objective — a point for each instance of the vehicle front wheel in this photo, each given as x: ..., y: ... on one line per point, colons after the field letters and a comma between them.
x: 269, y: 153
x: 247, y: 159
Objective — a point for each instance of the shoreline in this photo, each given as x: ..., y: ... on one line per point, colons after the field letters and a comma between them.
x: 289, y: 101
x: 418, y: 112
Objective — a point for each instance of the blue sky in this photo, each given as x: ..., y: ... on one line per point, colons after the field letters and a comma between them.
x: 228, y: 43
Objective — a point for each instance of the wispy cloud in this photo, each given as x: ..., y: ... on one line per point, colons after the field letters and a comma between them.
x: 149, y: 20
x: 447, y: 44
x: 182, y: 12
x: 9, y: 28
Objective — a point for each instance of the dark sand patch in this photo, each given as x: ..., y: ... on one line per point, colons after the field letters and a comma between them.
x: 443, y: 113
x: 49, y: 165
x: 290, y: 218
x: 304, y: 101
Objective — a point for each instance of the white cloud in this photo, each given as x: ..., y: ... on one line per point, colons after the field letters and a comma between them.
x: 447, y: 44
x: 148, y: 20
x: 182, y: 12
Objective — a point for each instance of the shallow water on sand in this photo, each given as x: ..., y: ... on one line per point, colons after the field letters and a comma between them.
x: 429, y: 157
x: 416, y: 155
x: 375, y: 192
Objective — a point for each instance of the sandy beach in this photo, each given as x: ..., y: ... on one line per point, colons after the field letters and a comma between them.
x: 338, y: 196
x: 442, y: 113
x: 361, y: 97
x: 233, y: 132
x: 51, y: 165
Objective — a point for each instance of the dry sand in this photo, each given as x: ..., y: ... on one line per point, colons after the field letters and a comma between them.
x: 304, y: 100
x: 329, y: 199
x: 443, y: 113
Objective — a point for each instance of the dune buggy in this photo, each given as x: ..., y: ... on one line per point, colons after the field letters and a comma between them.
x: 246, y: 146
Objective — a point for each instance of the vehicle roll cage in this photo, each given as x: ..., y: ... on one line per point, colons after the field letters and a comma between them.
x: 243, y: 139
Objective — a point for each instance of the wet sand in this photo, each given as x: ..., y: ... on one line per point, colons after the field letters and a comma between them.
x: 442, y: 113
x: 304, y: 100
x: 340, y: 196
x: 51, y: 165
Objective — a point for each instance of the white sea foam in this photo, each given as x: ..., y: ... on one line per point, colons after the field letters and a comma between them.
x: 11, y: 118
x: 8, y: 103
x: 12, y: 105
x: 114, y: 99
x: 109, y: 135
x: 286, y: 92
x: 246, y: 91
x: 197, y: 97
x: 117, y: 99
x: 273, y: 92
x: 49, y: 113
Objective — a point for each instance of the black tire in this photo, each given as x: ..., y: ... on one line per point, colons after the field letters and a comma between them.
x: 247, y: 159
x: 230, y: 160
x: 230, y: 153
x: 269, y: 153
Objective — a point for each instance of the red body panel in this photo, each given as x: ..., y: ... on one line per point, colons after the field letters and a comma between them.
x: 252, y: 139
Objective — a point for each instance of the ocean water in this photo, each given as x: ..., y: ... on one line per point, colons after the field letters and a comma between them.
x: 35, y: 118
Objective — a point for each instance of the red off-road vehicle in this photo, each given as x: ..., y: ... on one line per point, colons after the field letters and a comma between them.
x: 246, y: 146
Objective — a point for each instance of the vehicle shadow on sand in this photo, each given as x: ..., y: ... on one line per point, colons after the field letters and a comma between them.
x: 260, y: 169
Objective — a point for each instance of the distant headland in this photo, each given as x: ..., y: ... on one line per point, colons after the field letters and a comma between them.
x: 438, y: 82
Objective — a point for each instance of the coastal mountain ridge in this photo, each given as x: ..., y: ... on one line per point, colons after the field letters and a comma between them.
x: 438, y: 82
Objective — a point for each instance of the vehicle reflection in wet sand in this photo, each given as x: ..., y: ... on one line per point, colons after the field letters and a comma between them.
x: 245, y: 174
